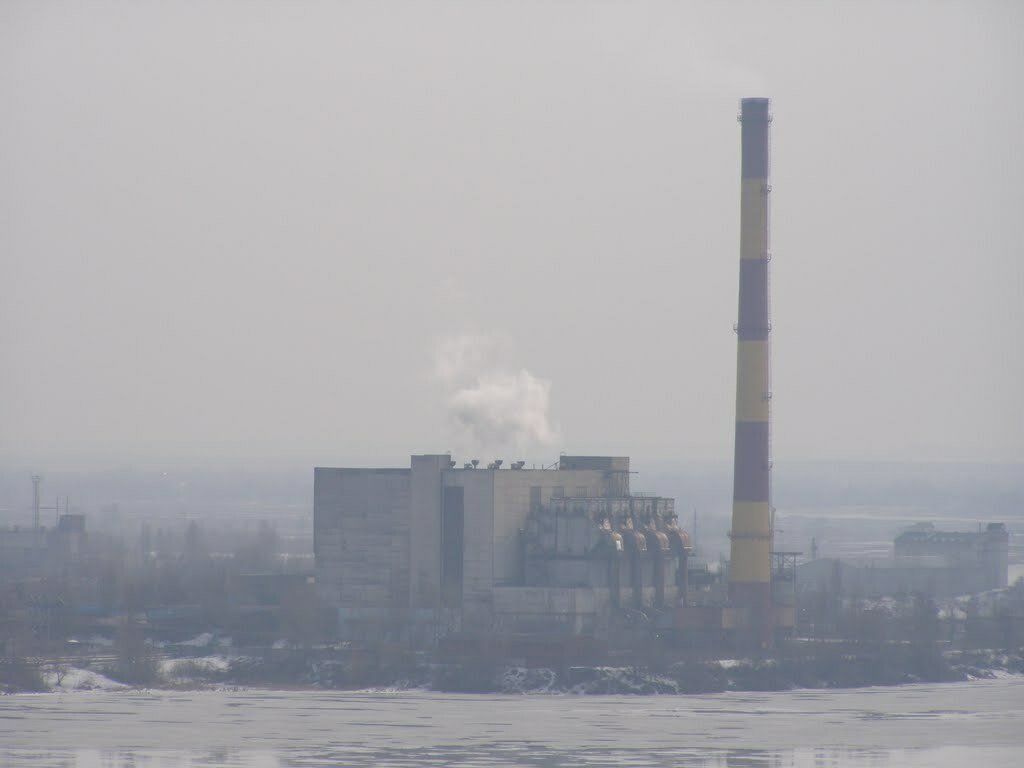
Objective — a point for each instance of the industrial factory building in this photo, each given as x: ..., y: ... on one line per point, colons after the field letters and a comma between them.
x: 439, y: 549
x: 927, y: 561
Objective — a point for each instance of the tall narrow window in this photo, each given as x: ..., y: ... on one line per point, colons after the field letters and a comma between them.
x: 534, y: 498
x: 452, y: 546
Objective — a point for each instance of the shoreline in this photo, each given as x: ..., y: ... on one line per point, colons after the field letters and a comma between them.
x: 871, y: 668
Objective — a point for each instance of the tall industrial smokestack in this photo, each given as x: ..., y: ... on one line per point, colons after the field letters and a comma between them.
x: 750, y: 560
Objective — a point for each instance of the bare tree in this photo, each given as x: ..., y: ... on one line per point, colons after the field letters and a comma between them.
x: 61, y: 671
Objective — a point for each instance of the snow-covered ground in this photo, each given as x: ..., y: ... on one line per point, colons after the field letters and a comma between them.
x: 75, y: 679
x: 199, y: 641
x: 171, y: 671
x: 183, y: 670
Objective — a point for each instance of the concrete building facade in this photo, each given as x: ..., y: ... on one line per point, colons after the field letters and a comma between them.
x: 438, y: 549
x: 939, y: 564
x: 986, y: 552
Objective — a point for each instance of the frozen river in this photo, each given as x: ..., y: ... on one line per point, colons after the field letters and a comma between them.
x: 979, y: 723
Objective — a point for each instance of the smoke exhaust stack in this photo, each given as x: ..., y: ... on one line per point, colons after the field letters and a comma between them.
x: 751, y: 534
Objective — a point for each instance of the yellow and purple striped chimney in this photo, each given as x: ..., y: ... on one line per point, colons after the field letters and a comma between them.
x: 750, y: 558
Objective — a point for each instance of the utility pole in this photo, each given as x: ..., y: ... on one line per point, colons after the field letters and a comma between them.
x: 36, y: 480
x: 694, y: 546
x: 37, y: 508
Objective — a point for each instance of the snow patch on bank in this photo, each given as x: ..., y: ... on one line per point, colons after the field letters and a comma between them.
x: 525, y: 680
x: 199, y: 641
x: 76, y: 679
x: 185, y: 670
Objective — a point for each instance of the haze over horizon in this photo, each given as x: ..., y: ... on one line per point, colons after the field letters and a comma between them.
x: 243, y: 231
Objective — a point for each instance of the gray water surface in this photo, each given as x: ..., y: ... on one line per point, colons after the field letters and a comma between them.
x: 977, y: 724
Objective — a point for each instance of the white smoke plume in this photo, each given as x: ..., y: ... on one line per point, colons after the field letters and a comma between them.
x: 489, y: 406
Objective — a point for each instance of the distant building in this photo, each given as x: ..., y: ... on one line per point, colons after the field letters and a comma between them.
x: 29, y: 554
x: 438, y: 549
x: 939, y: 564
x: 23, y: 553
x: 985, y: 551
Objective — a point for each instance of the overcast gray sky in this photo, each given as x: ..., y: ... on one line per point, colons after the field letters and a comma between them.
x: 244, y: 229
